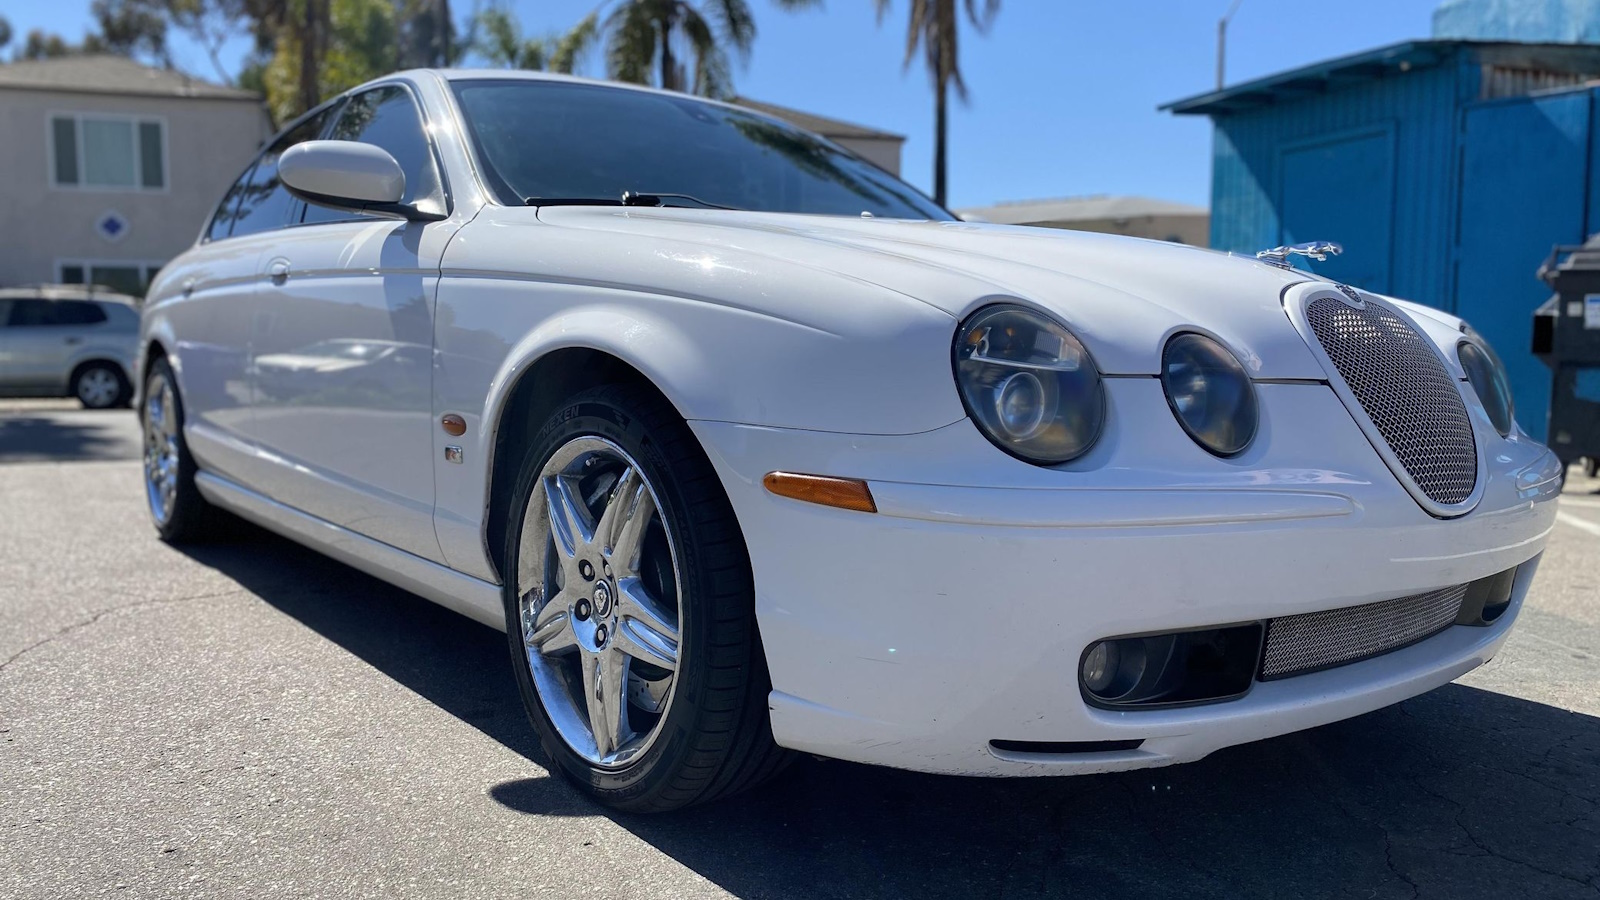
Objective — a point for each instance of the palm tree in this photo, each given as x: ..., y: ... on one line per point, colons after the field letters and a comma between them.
x: 497, y: 37
x: 933, y: 25
x: 642, y: 35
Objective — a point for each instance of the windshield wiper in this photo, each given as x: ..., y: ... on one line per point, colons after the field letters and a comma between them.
x: 635, y: 198
x: 629, y: 198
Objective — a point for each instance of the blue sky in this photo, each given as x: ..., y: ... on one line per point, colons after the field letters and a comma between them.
x: 1063, y: 92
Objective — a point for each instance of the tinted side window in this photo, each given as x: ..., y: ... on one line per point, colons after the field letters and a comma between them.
x: 34, y: 313
x: 387, y: 117
x: 264, y: 204
x: 228, y: 209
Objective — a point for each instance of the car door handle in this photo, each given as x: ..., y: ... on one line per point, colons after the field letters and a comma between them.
x: 72, y: 340
x: 278, y: 271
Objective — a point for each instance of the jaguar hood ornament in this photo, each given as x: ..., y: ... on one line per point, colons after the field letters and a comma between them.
x: 1317, y: 250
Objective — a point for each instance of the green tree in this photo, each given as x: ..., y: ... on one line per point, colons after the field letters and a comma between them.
x: 210, y: 23
x: 134, y: 28
x: 40, y: 44
x: 498, y: 38
x: 5, y: 32
x: 646, y: 35
x: 313, y: 59
x: 934, y: 26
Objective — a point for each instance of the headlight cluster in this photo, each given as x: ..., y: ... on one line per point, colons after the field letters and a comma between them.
x: 1029, y: 384
x: 1488, y: 378
x: 1210, y: 393
x: 1034, y: 391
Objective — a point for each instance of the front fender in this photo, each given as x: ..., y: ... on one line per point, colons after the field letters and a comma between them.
x: 882, y: 371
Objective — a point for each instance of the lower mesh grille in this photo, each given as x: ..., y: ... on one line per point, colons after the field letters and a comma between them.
x: 1321, y: 640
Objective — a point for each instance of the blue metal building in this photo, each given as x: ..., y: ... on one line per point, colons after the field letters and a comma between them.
x: 1447, y: 168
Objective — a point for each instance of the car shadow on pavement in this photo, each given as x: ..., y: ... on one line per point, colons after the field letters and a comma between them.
x: 1457, y: 793
x: 75, y: 437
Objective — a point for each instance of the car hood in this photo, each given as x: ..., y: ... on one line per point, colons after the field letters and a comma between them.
x: 1122, y: 296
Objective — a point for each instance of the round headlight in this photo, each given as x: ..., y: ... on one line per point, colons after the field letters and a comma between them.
x: 1029, y: 384
x: 1210, y: 392
x: 1488, y: 378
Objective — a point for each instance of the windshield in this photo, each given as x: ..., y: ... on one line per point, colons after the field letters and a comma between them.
x: 564, y: 141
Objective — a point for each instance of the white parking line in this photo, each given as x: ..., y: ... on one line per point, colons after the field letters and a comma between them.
x: 1579, y: 500
x: 1576, y: 522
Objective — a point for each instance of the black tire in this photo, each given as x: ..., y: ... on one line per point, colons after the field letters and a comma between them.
x: 89, y: 381
x: 1591, y: 466
x: 191, y: 519
x: 716, y: 736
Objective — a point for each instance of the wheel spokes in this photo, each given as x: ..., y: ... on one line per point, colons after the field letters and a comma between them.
x: 568, y: 516
x: 604, y: 675
x: 551, y: 629
x: 642, y: 631
x: 635, y: 507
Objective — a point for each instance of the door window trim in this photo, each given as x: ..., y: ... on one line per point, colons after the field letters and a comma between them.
x: 299, y: 212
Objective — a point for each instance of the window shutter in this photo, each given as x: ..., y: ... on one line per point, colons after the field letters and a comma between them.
x: 66, y: 150
x: 153, y: 172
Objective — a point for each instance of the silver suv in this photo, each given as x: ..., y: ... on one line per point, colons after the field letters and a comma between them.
x: 68, y: 341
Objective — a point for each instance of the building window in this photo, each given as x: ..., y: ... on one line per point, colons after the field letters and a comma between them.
x: 132, y: 278
x: 108, y: 152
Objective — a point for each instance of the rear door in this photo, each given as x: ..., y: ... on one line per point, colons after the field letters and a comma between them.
x: 342, y: 345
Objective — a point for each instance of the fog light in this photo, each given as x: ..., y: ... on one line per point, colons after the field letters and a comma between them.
x: 1100, y: 666
x: 1201, y: 666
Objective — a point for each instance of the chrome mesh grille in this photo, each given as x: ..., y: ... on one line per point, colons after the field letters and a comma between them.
x: 1405, y: 392
x: 1320, y: 640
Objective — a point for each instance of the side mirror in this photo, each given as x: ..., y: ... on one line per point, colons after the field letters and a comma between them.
x: 347, y: 175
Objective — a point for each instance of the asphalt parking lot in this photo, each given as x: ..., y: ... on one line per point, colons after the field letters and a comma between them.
x: 248, y: 719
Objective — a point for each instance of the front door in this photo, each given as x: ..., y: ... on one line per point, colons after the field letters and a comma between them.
x: 342, y: 347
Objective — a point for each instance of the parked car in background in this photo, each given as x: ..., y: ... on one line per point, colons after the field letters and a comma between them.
x: 751, y: 448
x: 68, y: 340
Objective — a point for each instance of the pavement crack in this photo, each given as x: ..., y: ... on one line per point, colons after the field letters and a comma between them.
x: 1388, y: 859
x: 96, y: 617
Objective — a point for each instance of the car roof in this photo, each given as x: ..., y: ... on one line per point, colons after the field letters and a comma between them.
x: 67, y: 292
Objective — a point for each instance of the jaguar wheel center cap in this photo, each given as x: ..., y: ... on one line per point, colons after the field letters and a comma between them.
x: 602, y: 600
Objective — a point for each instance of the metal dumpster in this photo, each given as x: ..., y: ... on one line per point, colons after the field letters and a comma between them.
x: 1566, y: 338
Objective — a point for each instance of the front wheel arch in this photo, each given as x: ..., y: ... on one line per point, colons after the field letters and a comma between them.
x: 539, y: 389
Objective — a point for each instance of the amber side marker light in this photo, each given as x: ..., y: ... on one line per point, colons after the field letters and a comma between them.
x: 842, y: 493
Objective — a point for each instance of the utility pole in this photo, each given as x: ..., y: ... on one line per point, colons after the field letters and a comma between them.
x: 1222, y: 43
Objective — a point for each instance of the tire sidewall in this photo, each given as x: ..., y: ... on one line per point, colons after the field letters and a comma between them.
x: 595, y: 414
x: 186, y: 500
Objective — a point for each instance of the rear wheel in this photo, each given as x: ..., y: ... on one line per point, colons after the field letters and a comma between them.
x: 630, y: 609
x: 181, y: 515
x: 101, y: 385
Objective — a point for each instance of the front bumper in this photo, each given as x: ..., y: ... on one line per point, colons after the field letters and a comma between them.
x: 957, y: 615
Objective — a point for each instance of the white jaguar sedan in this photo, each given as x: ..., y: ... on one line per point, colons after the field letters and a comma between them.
x: 750, y: 448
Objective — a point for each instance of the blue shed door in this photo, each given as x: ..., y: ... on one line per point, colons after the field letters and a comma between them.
x: 1522, y: 192
x: 1342, y: 189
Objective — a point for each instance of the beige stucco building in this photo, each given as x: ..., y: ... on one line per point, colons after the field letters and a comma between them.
x: 1143, y: 217
x: 881, y: 148
x: 108, y: 168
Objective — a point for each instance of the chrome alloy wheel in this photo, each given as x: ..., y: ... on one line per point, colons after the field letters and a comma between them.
x: 98, y: 388
x: 599, y: 590
x: 160, y: 447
